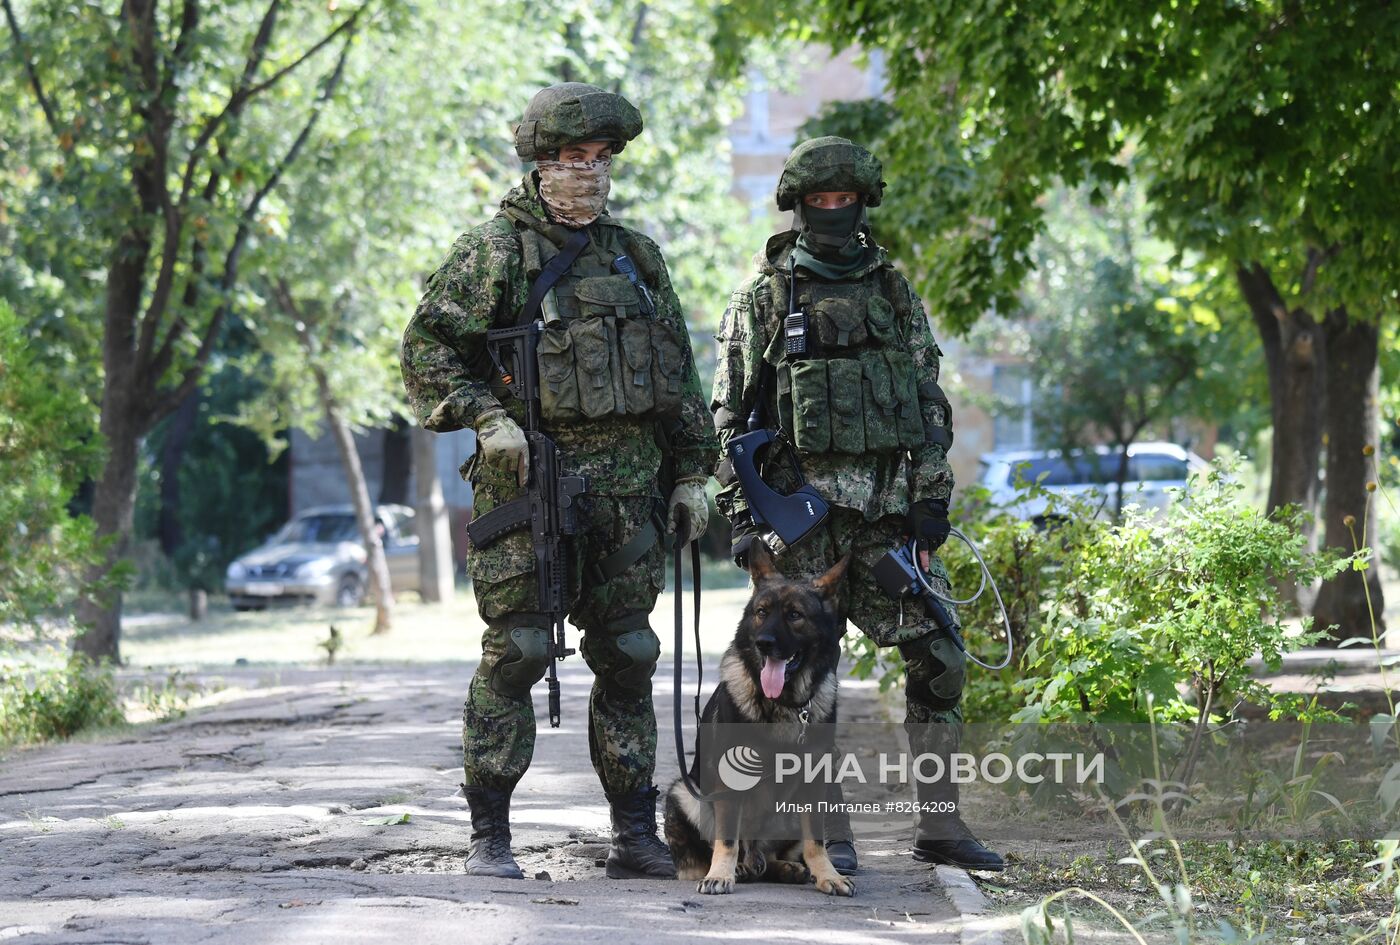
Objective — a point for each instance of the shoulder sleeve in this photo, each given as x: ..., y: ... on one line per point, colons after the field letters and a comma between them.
x: 743, y: 337
x: 446, y: 370
x: 931, y: 475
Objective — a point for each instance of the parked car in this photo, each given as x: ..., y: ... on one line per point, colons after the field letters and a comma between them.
x: 318, y: 558
x: 1153, y: 468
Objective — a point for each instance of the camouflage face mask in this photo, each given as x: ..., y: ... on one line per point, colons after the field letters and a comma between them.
x: 575, y: 191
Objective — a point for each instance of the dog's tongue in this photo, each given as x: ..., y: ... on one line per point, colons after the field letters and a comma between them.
x: 772, y: 677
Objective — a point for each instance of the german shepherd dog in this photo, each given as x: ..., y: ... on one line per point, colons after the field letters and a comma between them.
x: 780, y: 670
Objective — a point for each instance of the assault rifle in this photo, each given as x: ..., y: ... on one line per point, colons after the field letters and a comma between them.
x: 549, y: 505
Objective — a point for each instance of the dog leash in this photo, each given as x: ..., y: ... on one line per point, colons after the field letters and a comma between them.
x: 690, y: 785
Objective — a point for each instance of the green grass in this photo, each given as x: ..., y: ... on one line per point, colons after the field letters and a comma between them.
x: 1315, y: 891
x: 48, y: 703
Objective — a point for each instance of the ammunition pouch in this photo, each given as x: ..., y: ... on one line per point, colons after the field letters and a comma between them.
x: 939, y: 435
x: 610, y: 360
x: 861, y: 404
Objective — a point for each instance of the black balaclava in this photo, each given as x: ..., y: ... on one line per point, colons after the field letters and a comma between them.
x: 833, y: 244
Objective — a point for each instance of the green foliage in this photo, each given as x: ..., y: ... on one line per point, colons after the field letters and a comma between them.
x: 1127, y: 337
x: 1275, y: 890
x: 38, y: 705
x: 1387, y: 856
x: 47, y: 446
x: 1163, y: 604
x: 1264, y: 129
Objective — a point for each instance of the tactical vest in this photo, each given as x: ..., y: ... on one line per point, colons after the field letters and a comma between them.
x: 856, y: 389
x: 601, y: 352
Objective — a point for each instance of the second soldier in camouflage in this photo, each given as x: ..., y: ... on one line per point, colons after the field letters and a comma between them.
x: 862, y: 407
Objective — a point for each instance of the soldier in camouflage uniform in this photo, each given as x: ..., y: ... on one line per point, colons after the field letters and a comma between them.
x: 871, y: 428
x: 621, y: 398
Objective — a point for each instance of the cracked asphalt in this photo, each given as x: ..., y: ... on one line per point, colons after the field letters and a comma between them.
x: 251, y: 822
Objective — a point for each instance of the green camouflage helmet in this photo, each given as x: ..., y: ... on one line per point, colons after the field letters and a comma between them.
x: 829, y: 164
x: 572, y: 112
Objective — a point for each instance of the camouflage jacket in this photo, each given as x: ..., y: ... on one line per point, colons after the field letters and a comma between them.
x: 873, y: 484
x: 483, y: 284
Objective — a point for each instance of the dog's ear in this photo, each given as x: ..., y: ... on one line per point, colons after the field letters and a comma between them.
x: 829, y: 584
x: 761, y: 566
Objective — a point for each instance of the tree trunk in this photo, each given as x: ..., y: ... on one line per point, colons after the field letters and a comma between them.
x: 1295, y: 349
x: 398, y: 464
x: 364, y: 512
x: 199, y: 604
x: 122, y: 424
x: 434, y: 529
x: 1353, y: 422
x: 99, y: 612
x: 172, y: 454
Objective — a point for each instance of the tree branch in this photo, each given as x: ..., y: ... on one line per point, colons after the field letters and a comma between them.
x: 1316, y: 258
x: 193, y: 285
x: 347, y: 24
x: 163, y: 403
x: 149, y: 103
x: 1260, y: 293
x: 22, y: 48
x: 247, y: 90
x: 160, y: 360
x: 189, y: 22
x: 638, y: 29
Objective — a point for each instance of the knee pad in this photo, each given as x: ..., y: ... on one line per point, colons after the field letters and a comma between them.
x: 630, y: 661
x: 524, y: 662
x: 936, y: 671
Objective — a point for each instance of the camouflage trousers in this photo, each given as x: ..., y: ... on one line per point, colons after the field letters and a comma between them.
x: 935, y: 668
x: 618, y: 644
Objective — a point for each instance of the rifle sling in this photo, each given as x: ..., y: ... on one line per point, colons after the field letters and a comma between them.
x: 605, y: 569
x: 551, y: 273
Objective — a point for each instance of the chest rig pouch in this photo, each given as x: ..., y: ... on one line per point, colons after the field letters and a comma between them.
x: 855, y: 390
x: 603, y: 351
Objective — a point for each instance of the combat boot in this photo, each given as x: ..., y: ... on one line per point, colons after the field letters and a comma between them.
x: 489, y: 854
x: 836, y: 827
x: 942, y: 837
x: 636, y: 850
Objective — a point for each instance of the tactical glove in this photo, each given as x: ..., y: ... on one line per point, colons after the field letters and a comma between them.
x: 742, y: 536
x: 502, y: 444
x: 688, y: 512
x: 928, y: 522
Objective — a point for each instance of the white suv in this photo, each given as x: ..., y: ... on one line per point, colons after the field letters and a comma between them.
x: 1153, y: 468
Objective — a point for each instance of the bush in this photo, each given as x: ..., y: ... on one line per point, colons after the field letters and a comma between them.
x: 49, y: 704
x: 47, y: 446
x: 1156, y: 618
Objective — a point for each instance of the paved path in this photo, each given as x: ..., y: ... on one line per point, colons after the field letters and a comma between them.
x: 245, y: 823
